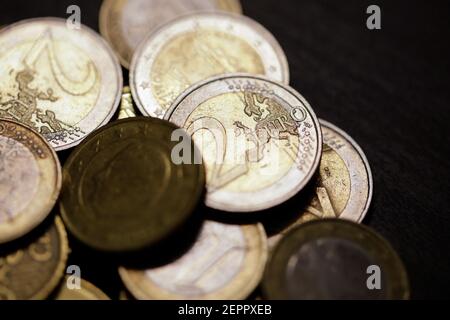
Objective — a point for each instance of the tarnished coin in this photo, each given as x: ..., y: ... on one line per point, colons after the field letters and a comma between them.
x: 226, y: 262
x: 125, y: 23
x: 64, y: 83
x: 121, y: 189
x: 86, y: 291
x: 34, y: 270
x: 260, y: 140
x: 30, y: 179
x: 195, y: 47
x: 334, y: 259
x: 126, y: 109
x: 344, y: 185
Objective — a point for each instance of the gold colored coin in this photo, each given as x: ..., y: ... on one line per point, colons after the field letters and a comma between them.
x: 195, y: 47
x: 64, y: 83
x: 30, y: 179
x: 33, y: 270
x: 87, y: 291
x: 126, y: 109
x: 260, y: 140
x: 344, y: 185
x: 226, y: 262
x: 119, y: 186
x: 125, y: 23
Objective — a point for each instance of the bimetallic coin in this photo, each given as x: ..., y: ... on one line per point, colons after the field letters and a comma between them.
x: 344, y: 186
x: 30, y: 179
x: 126, y: 109
x: 32, y: 272
x: 119, y: 186
x: 87, y: 291
x: 226, y: 262
x: 260, y: 140
x: 195, y: 47
x: 125, y: 23
x: 64, y: 83
x: 334, y: 259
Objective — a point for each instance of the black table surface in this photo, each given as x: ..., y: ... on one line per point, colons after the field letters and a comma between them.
x: 389, y: 89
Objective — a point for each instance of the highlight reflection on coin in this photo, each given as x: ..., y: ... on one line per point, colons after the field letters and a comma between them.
x: 260, y: 140
x: 87, y: 291
x: 119, y: 186
x: 226, y: 262
x: 33, y: 271
x: 30, y: 179
x: 344, y: 186
x: 195, y: 47
x: 125, y: 23
x: 330, y: 259
x: 126, y: 109
x: 64, y: 83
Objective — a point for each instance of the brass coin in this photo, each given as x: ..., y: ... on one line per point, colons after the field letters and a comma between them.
x: 30, y: 179
x: 333, y: 259
x: 344, y: 186
x: 195, y: 47
x: 226, y: 262
x: 261, y: 141
x: 125, y: 23
x: 126, y: 109
x: 87, y: 291
x: 64, y: 83
x: 33, y: 271
x: 121, y: 190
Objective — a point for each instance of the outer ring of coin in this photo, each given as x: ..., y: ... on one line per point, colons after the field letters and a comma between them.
x: 357, y: 164
x: 87, y: 239
x: 242, y: 285
x: 107, y: 5
x: 59, y: 271
x: 369, y: 240
x: 289, y: 184
x: 92, y: 116
x: 86, y: 286
x: 22, y: 223
x: 149, y: 49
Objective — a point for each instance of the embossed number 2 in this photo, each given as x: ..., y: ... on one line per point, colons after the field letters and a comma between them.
x: 45, y: 44
x: 219, y: 178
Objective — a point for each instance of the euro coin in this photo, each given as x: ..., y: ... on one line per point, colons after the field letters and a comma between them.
x: 30, y: 179
x: 195, y: 47
x: 63, y: 83
x: 33, y: 270
x: 260, y: 140
x: 126, y: 109
x: 122, y: 190
x: 344, y: 186
x: 125, y: 23
x: 86, y: 291
x: 334, y: 259
x: 226, y: 262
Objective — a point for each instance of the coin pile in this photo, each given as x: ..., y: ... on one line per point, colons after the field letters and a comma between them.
x: 228, y: 186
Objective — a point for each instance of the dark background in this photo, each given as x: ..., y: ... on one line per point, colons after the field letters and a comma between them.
x: 389, y: 89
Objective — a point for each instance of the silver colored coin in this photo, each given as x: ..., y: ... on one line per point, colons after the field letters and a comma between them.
x: 62, y: 82
x: 334, y: 259
x: 356, y: 170
x: 226, y: 262
x: 260, y: 140
x: 344, y: 185
x: 125, y: 23
x: 195, y: 47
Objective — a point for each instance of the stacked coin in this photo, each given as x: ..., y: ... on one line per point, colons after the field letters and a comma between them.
x: 210, y: 195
